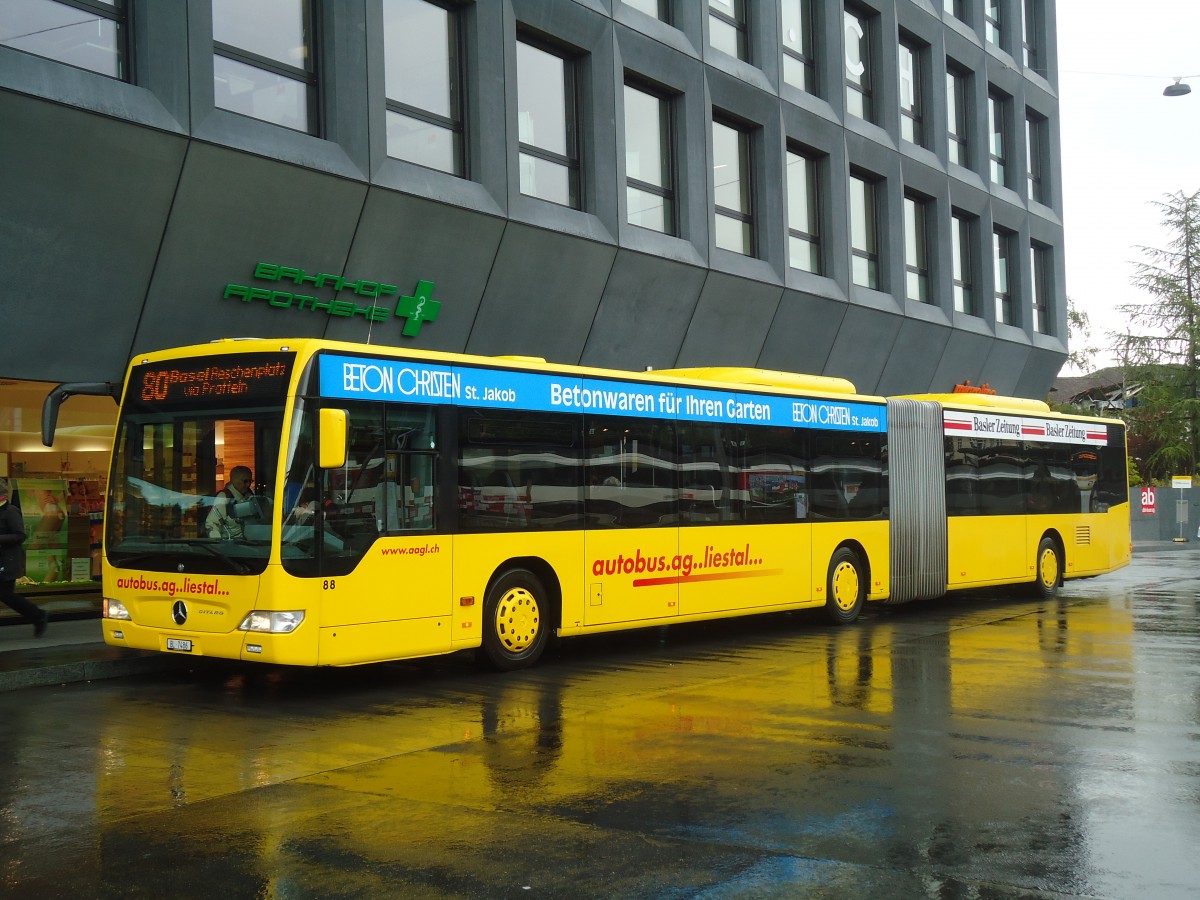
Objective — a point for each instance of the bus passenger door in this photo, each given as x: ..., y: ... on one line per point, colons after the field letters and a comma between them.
x: 632, y: 559
x: 738, y: 490
x: 387, y: 518
x: 633, y: 575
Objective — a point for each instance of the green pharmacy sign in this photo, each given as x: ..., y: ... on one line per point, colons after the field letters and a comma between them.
x: 416, y: 309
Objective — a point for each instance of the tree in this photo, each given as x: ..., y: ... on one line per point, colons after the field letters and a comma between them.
x: 1079, y: 329
x: 1160, y: 350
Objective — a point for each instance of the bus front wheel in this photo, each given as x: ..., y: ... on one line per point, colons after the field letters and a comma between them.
x: 846, y: 588
x: 1049, y: 568
x: 514, y: 620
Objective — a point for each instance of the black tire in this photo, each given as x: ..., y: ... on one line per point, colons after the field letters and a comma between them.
x: 1048, y: 569
x: 845, y: 587
x: 516, y: 623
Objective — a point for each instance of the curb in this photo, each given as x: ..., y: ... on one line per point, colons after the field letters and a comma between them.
x: 39, y: 668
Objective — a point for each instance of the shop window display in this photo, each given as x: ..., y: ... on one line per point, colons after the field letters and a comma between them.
x: 63, y: 520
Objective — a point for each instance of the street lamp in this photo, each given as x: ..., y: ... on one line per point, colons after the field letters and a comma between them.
x: 1178, y: 89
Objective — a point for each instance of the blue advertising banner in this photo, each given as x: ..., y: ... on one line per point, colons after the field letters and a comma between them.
x: 363, y: 378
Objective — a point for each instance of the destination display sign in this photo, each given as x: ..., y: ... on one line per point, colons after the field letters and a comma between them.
x: 219, y: 380
x: 349, y: 377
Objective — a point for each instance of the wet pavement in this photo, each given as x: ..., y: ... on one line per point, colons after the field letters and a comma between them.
x: 979, y: 746
x: 72, y: 650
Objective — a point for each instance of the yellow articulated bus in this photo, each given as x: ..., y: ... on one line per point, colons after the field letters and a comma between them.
x: 415, y: 503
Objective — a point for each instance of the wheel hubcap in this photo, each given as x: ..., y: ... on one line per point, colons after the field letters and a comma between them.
x: 1049, y: 568
x: 845, y: 586
x: 517, y: 619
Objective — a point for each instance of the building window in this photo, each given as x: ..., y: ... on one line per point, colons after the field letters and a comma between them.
x: 1039, y: 267
x: 547, y: 126
x: 1035, y: 145
x: 864, y: 234
x: 991, y: 23
x: 804, y: 232
x: 858, y: 65
x: 727, y: 27
x: 423, y: 84
x: 649, y: 185
x: 799, y: 64
x: 1002, y: 258
x: 998, y: 141
x: 964, y: 281
x: 87, y: 35
x: 658, y: 9
x: 957, y: 127
x: 263, y: 63
x: 912, y: 103
x: 1031, y: 27
x: 916, y: 249
x: 954, y: 8
x: 734, y: 221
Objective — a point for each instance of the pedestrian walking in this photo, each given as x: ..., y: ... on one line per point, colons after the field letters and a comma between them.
x: 12, y: 562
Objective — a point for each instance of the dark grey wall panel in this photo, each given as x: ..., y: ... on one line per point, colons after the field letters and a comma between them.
x: 962, y: 359
x: 644, y: 313
x: 1041, y: 368
x: 802, y: 334
x: 233, y: 210
x: 542, y: 295
x: 160, y: 108
x: 913, y: 361
x: 731, y: 322
x: 403, y: 240
x: 83, y: 205
x: 1004, y: 366
x: 862, y: 346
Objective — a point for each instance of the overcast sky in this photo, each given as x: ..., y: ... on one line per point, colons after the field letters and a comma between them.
x: 1124, y: 144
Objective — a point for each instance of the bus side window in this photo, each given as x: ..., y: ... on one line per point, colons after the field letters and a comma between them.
x: 418, y: 497
x: 411, y: 466
x: 1111, y: 489
x: 518, y: 469
x: 826, y: 498
x: 1002, y: 490
x: 773, y: 481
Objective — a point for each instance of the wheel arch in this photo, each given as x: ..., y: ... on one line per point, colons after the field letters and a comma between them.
x: 864, y: 558
x: 546, y: 575
x: 1056, y: 537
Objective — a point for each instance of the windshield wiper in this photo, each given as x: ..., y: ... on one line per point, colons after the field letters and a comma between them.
x: 239, y: 568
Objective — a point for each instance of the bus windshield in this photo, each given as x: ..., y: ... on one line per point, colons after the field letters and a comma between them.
x: 188, y: 438
x: 166, y: 507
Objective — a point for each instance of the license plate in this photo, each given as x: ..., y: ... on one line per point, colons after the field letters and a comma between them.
x: 179, y: 644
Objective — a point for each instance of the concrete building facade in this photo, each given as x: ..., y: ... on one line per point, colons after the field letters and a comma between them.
x: 867, y: 189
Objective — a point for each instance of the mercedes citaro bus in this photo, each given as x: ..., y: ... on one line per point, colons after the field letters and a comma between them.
x: 414, y: 503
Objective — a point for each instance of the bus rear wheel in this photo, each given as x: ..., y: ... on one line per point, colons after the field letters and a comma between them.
x: 846, y: 588
x: 515, y: 627
x: 1049, y: 568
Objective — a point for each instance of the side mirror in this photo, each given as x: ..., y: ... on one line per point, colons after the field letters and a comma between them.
x: 332, y: 452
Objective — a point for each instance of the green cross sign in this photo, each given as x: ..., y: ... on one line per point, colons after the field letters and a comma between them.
x: 421, y: 307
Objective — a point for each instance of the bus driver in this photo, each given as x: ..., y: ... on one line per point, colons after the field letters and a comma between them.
x: 221, y: 521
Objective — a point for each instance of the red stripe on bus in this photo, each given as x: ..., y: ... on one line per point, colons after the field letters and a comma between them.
x: 713, y: 576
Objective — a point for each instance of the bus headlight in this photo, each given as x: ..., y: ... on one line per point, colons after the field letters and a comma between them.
x: 272, y: 622
x: 115, y: 609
